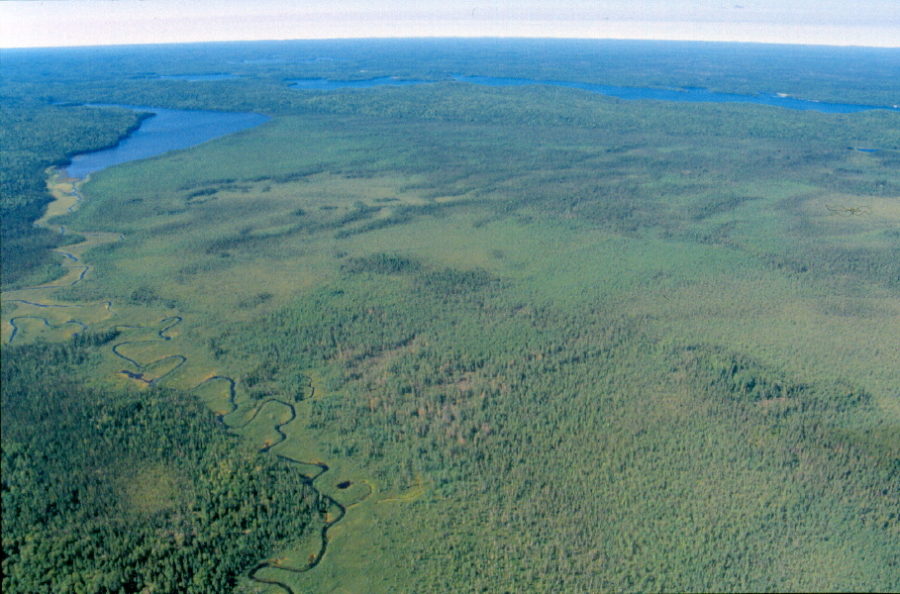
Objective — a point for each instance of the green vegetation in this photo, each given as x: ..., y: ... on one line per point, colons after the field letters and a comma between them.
x: 34, y: 137
x: 525, y: 339
x: 137, y: 490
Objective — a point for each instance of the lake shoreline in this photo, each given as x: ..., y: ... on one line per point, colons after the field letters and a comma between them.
x: 159, y: 131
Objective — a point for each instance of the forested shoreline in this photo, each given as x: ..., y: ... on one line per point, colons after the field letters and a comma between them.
x: 36, y: 136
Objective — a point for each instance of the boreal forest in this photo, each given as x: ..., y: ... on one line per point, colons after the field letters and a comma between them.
x: 450, y: 316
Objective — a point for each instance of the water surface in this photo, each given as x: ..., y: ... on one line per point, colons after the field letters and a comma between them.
x: 167, y: 130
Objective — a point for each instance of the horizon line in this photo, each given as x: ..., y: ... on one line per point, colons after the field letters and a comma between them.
x: 443, y: 37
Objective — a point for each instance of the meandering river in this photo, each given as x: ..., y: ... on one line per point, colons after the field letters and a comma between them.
x: 171, y: 130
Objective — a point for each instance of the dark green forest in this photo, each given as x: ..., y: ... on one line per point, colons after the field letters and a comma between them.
x: 34, y: 136
x: 109, y: 491
x: 448, y: 337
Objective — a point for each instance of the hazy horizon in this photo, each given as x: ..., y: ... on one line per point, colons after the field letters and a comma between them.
x: 436, y: 38
x: 78, y: 23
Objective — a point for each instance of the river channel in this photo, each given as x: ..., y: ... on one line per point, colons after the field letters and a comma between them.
x: 167, y: 130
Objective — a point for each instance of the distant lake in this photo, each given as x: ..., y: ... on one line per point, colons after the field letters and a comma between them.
x: 167, y: 130
x: 685, y: 95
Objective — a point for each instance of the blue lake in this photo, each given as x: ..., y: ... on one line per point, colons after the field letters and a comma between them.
x: 167, y: 130
x: 688, y: 94
x: 172, y: 129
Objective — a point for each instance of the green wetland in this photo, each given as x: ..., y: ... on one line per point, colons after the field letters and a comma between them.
x: 448, y: 337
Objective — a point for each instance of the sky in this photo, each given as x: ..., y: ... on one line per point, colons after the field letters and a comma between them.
x: 44, y: 23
